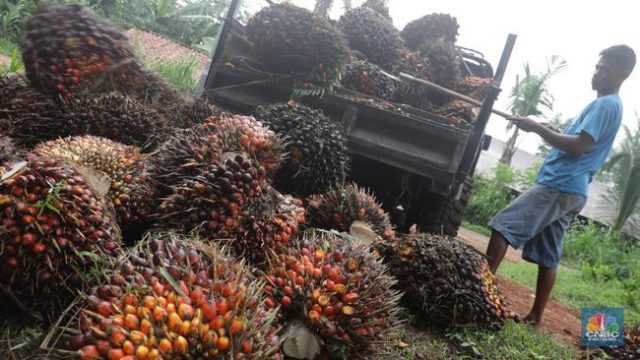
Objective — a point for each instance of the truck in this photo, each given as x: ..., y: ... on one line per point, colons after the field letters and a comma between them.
x: 419, y: 166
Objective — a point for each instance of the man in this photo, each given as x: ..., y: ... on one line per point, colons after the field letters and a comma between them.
x: 538, y: 219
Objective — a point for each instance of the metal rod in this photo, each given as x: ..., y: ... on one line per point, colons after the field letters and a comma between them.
x: 452, y: 93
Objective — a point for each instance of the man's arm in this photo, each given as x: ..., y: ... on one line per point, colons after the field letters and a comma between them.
x: 571, y: 144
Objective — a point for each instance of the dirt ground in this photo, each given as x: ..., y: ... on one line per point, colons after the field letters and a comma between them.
x: 4, y: 59
x: 561, y: 321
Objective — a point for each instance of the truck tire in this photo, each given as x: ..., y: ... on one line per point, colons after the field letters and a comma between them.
x: 453, y: 210
x: 438, y: 214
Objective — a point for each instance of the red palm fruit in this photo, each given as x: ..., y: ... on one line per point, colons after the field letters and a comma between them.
x: 144, y: 324
x: 66, y: 207
x: 320, y: 304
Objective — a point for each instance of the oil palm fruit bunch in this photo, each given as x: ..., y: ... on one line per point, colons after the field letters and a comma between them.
x: 318, y: 157
x: 631, y: 347
x: 474, y: 86
x: 25, y: 113
x: 412, y: 93
x: 170, y: 297
x: 337, y: 209
x: 123, y: 168
x: 444, y: 66
x: 268, y: 223
x: 211, y: 201
x: 290, y: 39
x: 185, y: 153
x: 379, y: 6
x: 368, y: 78
x: 336, y: 296
x: 446, y: 280
x: 458, y: 113
x: 54, y: 228
x: 237, y: 133
x: 374, y: 36
x: 428, y: 28
x: 114, y: 116
x: 68, y: 47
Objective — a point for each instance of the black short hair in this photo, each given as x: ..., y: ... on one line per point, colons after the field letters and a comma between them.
x: 623, y: 55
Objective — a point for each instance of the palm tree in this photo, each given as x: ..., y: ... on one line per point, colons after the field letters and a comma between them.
x: 527, y: 96
x: 624, y: 167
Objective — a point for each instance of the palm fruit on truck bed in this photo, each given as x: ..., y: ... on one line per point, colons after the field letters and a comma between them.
x: 428, y: 28
x: 379, y: 6
x: 374, y: 36
x: 368, y: 78
x: 334, y: 293
x: 290, y: 39
x: 170, y: 297
x: 55, y: 227
x: 444, y: 66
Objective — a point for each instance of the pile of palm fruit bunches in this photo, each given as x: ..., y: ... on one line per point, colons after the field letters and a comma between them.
x: 362, y: 52
x: 140, y: 223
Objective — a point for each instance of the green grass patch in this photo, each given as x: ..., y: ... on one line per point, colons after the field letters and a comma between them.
x: 575, y: 289
x: 514, y: 341
x: 180, y: 74
x: 7, y: 47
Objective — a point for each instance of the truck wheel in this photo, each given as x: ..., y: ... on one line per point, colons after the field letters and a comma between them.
x: 453, y: 210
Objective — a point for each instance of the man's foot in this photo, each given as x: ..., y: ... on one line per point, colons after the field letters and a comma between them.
x: 532, y: 321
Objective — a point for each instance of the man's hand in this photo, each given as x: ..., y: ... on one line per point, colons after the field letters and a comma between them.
x: 525, y: 124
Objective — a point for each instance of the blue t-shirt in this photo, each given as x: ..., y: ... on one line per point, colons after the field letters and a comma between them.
x: 572, y: 174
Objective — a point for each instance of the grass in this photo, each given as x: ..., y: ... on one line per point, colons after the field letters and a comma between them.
x: 573, y: 289
x: 7, y: 47
x: 514, y: 341
x: 180, y: 74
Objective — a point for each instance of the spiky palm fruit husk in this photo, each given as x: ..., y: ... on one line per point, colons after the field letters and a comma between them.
x: 322, y: 7
x: 367, y: 78
x: 237, y: 133
x: 411, y: 93
x: 374, y: 36
x: 210, y: 201
x: 339, y: 290
x: 631, y: 348
x: 68, y: 47
x: 428, y: 28
x: 474, y: 86
x: 181, y: 111
x: 25, y: 113
x: 185, y: 153
x: 290, y: 39
x: 54, y: 228
x: 170, y: 297
x: 125, y: 168
x: 317, y: 147
x: 114, y: 116
x: 379, y: 6
x: 444, y: 66
x: 446, y: 280
x: 340, y: 207
x: 458, y: 112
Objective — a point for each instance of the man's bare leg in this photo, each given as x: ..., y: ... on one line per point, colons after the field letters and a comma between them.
x: 546, y: 280
x: 496, y: 250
